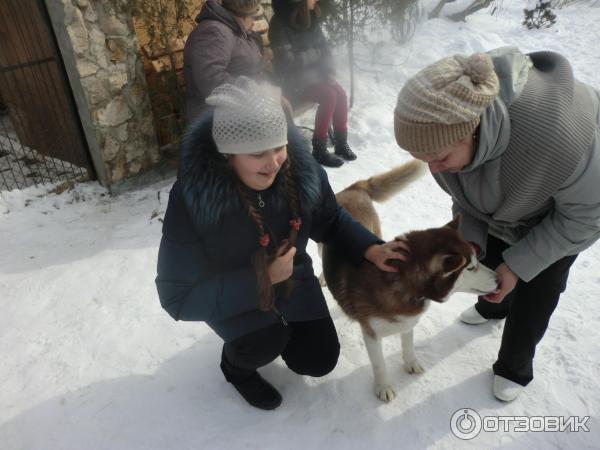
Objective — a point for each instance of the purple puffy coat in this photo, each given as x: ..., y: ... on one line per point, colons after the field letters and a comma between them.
x: 217, y: 50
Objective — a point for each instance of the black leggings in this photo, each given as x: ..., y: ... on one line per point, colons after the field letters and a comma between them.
x: 308, y: 348
x: 527, y: 310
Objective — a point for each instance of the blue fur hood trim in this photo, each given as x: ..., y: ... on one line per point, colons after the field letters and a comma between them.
x: 210, y: 193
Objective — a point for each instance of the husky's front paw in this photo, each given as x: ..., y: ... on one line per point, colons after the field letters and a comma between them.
x: 322, y: 280
x: 413, y: 366
x: 385, y: 391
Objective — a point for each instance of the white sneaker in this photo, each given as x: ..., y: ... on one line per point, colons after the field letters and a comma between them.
x: 472, y: 316
x: 505, y: 389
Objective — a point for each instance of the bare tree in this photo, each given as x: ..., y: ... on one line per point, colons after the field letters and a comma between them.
x: 461, y: 15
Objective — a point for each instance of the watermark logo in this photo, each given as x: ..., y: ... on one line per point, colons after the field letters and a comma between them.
x: 466, y: 423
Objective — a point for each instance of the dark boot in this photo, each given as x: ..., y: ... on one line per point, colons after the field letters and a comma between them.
x: 259, y: 392
x: 342, y: 148
x: 322, y: 156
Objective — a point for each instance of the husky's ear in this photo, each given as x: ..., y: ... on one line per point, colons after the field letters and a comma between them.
x: 452, y: 263
x: 454, y: 223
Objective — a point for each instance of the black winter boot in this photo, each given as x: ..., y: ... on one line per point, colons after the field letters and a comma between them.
x: 342, y: 149
x: 322, y: 156
x: 259, y: 392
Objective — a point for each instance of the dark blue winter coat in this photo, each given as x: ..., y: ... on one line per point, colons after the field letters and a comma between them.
x: 204, y: 261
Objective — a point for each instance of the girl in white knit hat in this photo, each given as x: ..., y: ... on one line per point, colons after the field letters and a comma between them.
x: 233, y: 254
x: 515, y: 140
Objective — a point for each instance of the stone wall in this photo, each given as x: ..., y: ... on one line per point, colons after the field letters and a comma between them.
x: 101, y: 55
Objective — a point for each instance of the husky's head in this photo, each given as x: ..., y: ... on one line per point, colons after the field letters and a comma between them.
x: 442, y: 263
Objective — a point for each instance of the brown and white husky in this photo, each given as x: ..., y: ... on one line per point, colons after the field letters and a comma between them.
x: 441, y: 263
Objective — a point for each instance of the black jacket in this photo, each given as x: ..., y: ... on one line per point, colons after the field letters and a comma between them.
x: 300, y: 57
x: 204, y: 262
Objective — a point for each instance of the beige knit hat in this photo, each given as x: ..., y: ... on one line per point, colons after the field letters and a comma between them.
x: 443, y: 103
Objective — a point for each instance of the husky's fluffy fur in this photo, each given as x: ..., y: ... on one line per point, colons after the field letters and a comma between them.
x: 441, y: 263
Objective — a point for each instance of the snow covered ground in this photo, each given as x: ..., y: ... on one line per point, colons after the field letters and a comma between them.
x: 89, y: 360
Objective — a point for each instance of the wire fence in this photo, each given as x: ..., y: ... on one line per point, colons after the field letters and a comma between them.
x: 41, y: 139
x: 22, y: 166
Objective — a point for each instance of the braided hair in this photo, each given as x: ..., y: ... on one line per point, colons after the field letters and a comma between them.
x: 267, y: 251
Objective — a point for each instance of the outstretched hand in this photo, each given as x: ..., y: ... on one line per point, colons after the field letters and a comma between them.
x: 379, y: 254
x: 507, y: 280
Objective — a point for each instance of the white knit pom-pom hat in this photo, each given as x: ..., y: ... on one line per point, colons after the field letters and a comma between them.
x: 248, y: 117
x: 443, y: 103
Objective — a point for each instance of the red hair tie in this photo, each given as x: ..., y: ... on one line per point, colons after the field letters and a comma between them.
x: 296, y: 223
x: 264, y: 240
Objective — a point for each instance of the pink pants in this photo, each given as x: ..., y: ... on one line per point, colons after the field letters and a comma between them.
x: 333, y: 107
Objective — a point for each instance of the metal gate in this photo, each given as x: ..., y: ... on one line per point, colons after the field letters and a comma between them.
x: 41, y: 139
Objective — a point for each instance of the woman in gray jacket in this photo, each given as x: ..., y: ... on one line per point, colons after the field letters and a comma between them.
x: 515, y: 140
x: 221, y: 48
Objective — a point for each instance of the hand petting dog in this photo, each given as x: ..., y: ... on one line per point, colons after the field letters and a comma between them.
x: 379, y: 254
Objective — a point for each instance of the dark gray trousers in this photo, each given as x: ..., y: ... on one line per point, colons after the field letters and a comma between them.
x: 527, y: 310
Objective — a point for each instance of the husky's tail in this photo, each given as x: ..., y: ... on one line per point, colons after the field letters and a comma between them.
x: 383, y: 186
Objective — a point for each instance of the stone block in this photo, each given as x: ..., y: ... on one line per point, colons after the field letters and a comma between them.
x: 111, y: 148
x: 78, y: 33
x: 118, y: 49
x: 115, y: 113
x: 86, y: 68
x: 96, y: 89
